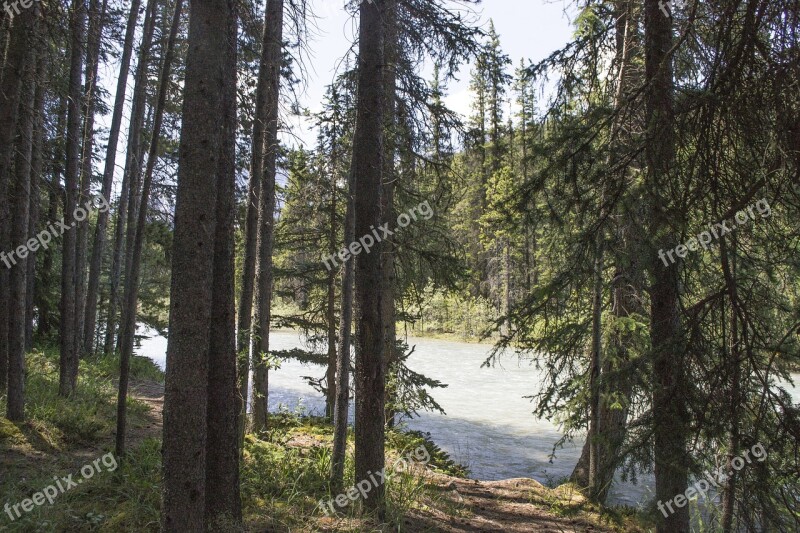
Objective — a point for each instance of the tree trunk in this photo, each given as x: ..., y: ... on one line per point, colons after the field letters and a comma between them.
x: 37, y: 163
x: 223, y: 502
x: 132, y: 166
x: 128, y: 326
x: 96, y: 263
x: 192, y: 297
x: 16, y: 59
x: 343, y: 357
x: 68, y: 376
x: 97, y: 13
x: 669, y: 382
x: 367, y: 169
x: 19, y: 236
x: 245, y: 317
x: 273, y: 44
x: 330, y: 314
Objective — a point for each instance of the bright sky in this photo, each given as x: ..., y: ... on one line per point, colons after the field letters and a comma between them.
x: 530, y: 29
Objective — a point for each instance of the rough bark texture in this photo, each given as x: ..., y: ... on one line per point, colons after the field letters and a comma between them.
x: 96, y: 263
x: 202, y: 146
x: 128, y: 327
x: 669, y: 409
x: 273, y: 44
x: 330, y: 312
x: 19, y: 236
x: 18, y: 47
x: 367, y: 167
x: 223, y: 503
x: 68, y: 375
x: 127, y: 197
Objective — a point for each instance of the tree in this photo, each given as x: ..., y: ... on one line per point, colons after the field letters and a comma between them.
x: 367, y: 169
x: 196, y: 283
x: 273, y: 44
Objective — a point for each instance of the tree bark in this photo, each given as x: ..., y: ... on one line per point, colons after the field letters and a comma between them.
x: 96, y: 262
x: 273, y: 43
x: 128, y: 326
x: 68, y: 375
x: 127, y: 197
x: 367, y: 167
x: 20, y: 44
x: 669, y: 381
x: 19, y: 236
x: 202, y: 147
x: 223, y: 502
x: 330, y: 313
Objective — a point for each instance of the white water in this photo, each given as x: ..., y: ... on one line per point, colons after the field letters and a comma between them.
x: 489, y: 426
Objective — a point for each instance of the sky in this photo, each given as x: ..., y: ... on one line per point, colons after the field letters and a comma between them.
x: 529, y: 29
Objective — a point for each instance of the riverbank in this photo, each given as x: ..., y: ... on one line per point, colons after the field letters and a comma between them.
x: 284, y: 475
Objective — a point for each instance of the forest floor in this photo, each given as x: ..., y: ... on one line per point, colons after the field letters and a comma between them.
x: 283, y: 478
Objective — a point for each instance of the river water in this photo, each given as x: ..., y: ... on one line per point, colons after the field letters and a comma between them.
x: 489, y: 426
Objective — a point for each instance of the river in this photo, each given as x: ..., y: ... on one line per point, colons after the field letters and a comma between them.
x: 489, y: 426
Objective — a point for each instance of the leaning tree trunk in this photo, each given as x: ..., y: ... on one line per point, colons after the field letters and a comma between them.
x: 16, y: 59
x: 128, y: 327
x: 204, y: 144
x: 19, y: 236
x: 132, y: 167
x: 273, y: 44
x: 68, y: 375
x: 670, y: 424
x: 367, y: 168
x: 96, y: 263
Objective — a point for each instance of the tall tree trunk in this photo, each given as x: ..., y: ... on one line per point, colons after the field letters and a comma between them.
x: 343, y: 358
x: 127, y: 197
x: 245, y: 316
x: 37, y: 163
x: 97, y: 13
x: 96, y: 263
x: 368, y: 169
x: 223, y: 502
x: 669, y: 381
x: 273, y: 44
x: 16, y: 59
x: 192, y: 297
x: 68, y: 375
x: 389, y: 185
x: 19, y: 236
x: 128, y: 326
x: 330, y: 313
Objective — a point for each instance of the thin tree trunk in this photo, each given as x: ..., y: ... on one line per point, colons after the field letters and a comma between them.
x: 594, y: 385
x: 245, y: 316
x: 367, y: 168
x: 97, y: 13
x: 96, y: 263
x: 343, y: 357
x: 669, y: 381
x: 19, y: 236
x: 330, y: 314
x: 223, y: 502
x: 132, y: 166
x: 18, y: 48
x: 203, y: 144
x: 68, y: 375
x: 128, y: 326
x: 37, y: 163
x: 273, y: 43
